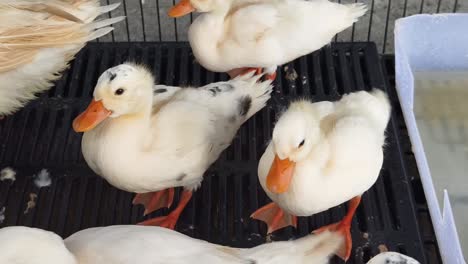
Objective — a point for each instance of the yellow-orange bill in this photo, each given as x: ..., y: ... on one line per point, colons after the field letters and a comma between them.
x: 183, y: 8
x: 280, y: 175
x: 91, y: 117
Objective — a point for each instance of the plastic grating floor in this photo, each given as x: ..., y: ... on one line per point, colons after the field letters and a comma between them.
x: 393, y: 214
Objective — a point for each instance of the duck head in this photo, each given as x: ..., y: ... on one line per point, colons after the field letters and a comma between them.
x: 126, y: 89
x: 294, y: 136
x: 185, y: 7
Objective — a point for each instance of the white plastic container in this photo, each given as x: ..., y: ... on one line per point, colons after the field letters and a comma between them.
x: 435, y: 43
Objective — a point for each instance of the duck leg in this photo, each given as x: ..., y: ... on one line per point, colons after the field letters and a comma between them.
x: 170, y: 220
x: 271, y: 76
x: 274, y: 217
x: 241, y: 71
x: 155, y: 200
x: 343, y: 227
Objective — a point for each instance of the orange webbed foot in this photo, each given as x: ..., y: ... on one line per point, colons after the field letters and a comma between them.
x: 274, y: 217
x: 171, y: 219
x: 155, y: 200
x: 344, y: 229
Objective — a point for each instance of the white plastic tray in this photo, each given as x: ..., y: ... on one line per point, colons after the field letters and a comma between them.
x: 432, y: 43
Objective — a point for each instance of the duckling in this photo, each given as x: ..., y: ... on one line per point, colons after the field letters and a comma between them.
x: 28, y: 245
x: 37, y: 40
x: 321, y: 155
x: 128, y: 244
x: 230, y: 35
x: 392, y: 258
x: 141, y: 140
x: 152, y: 244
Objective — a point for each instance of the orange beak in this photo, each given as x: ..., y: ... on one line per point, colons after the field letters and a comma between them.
x: 183, y: 8
x: 91, y: 117
x: 280, y: 175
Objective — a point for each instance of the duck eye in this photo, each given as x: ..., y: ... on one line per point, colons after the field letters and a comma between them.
x: 302, y: 143
x: 119, y: 91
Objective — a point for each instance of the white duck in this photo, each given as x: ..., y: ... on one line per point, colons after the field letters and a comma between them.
x: 392, y: 258
x: 26, y: 245
x: 144, y: 140
x: 321, y: 155
x: 148, y: 244
x: 233, y: 34
x: 37, y: 40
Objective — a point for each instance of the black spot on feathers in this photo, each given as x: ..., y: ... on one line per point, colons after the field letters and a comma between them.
x: 214, y: 90
x: 158, y: 91
x: 225, y: 87
x: 244, y: 105
x: 112, y: 76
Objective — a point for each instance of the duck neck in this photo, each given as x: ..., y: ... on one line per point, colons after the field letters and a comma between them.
x: 205, y: 35
x: 131, y: 130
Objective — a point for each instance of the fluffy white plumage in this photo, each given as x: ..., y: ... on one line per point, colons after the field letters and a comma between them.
x: 341, y: 155
x: 392, y: 258
x: 264, y: 34
x: 128, y: 244
x: 151, y: 143
x: 37, y: 40
x: 145, y: 244
x: 21, y: 245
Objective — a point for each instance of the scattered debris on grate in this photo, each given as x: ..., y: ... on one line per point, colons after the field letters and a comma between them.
x: 291, y: 74
x: 7, y: 174
x: 42, y: 179
x: 31, y: 203
x: 382, y: 248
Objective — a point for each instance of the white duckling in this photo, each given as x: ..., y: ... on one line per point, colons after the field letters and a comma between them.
x: 130, y: 244
x: 233, y: 34
x: 392, y: 258
x: 37, y: 40
x: 321, y: 155
x: 26, y: 245
x: 141, y: 140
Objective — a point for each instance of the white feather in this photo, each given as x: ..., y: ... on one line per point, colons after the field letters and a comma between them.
x: 29, y: 66
x: 7, y: 174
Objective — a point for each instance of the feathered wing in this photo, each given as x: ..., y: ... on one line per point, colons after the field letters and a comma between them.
x: 28, y: 26
x: 37, y: 40
x: 207, y: 117
x: 249, y: 23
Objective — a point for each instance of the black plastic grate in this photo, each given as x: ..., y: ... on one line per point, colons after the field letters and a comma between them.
x: 393, y: 214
